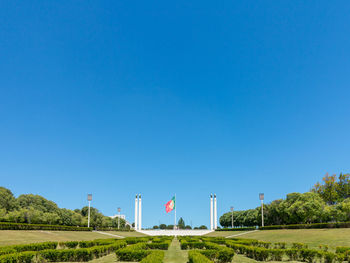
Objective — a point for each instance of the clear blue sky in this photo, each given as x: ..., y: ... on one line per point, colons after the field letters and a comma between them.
x: 116, y: 98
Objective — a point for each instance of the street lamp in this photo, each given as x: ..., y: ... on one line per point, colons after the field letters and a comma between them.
x: 232, y: 216
x: 261, y: 197
x: 119, y: 217
x: 89, y: 198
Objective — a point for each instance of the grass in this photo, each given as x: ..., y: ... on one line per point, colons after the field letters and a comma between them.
x: 13, y: 237
x: 312, y: 237
x: 224, y: 233
x: 174, y: 254
x: 126, y: 234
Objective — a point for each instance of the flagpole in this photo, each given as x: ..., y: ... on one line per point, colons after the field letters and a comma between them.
x: 175, y: 213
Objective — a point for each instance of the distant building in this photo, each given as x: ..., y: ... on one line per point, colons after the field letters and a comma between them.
x: 116, y: 216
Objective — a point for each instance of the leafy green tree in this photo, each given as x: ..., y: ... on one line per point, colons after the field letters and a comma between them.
x: 7, y: 200
x: 37, y: 202
x: 328, y: 190
x: 188, y: 227
x: 203, y: 227
x: 162, y: 226
x: 155, y: 227
x: 181, y: 223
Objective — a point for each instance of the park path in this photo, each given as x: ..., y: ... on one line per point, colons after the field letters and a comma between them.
x: 174, y: 254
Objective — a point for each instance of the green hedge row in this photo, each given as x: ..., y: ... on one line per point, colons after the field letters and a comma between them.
x: 293, y: 254
x: 237, y: 229
x: 154, y: 257
x: 22, y: 226
x: 134, y: 252
x: 308, y: 226
x: 80, y: 254
x: 27, y: 247
x: 51, y: 254
x: 22, y: 257
x: 194, y: 256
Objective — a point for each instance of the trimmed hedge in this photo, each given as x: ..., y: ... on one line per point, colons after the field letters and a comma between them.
x: 308, y: 226
x: 154, y: 257
x: 23, y: 226
x: 27, y: 247
x: 194, y: 256
x: 23, y: 257
x: 134, y: 252
x: 237, y: 229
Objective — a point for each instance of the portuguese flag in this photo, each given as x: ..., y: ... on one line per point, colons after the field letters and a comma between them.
x: 170, y: 206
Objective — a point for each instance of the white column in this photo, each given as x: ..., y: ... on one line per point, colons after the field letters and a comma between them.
x: 136, y: 216
x: 140, y: 213
x: 215, y: 213
x: 211, y: 212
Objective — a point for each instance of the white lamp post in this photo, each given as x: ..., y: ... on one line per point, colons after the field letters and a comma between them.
x: 89, y: 198
x: 118, y: 217
x: 261, y: 197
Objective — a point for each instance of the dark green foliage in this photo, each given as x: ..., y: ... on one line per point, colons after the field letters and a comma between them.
x: 280, y: 245
x: 308, y: 226
x: 154, y: 257
x: 69, y: 244
x: 194, y: 256
x: 299, y: 245
x: 23, y: 257
x: 237, y: 229
x: 22, y: 226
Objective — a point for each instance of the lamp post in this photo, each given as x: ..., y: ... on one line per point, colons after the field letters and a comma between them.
x: 261, y: 197
x: 232, y: 216
x: 118, y: 217
x: 89, y: 198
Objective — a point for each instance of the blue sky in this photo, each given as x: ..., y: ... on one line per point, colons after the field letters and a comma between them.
x: 116, y: 98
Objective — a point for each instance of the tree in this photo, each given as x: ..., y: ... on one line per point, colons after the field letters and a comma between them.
x: 181, y: 223
x: 155, y: 227
x: 188, y: 227
x: 37, y: 202
x: 7, y: 200
x: 203, y: 227
x: 162, y: 226
x: 328, y: 191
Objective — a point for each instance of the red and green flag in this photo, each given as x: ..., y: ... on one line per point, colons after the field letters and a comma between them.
x: 170, y: 206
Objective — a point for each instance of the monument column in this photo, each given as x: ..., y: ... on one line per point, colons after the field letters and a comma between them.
x: 215, y: 213
x: 140, y: 213
x: 136, y: 214
x: 211, y: 212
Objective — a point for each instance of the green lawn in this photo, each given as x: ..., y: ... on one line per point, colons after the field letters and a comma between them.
x: 126, y: 234
x: 312, y: 237
x: 174, y: 254
x: 12, y: 237
x: 224, y: 233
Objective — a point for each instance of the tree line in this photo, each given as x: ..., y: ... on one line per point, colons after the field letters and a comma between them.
x: 328, y: 201
x: 180, y: 225
x: 35, y: 209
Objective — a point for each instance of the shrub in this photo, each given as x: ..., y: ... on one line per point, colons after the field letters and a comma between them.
x: 195, y: 257
x: 23, y: 257
x: 22, y: 226
x: 299, y: 245
x: 280, y: 245
x: 69, y: 244
x: 308, y: 226
x: 276, y: 254
x: 134, y: 252
x: 293, y: 254
x: 154, y: 257
x: 329, y: 257
x: 310, y: 255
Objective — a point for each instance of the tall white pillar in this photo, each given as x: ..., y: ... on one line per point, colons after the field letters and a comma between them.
x: 140, y: 213
x: 215, y: 213
x: 211, y: 212
x: 136, y: 214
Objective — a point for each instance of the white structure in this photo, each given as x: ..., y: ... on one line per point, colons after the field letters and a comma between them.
x: 138, y: 212
x: 120, y: 216
x: 184, y: 232
x: 213, y: 213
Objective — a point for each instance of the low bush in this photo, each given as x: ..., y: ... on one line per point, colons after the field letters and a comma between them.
x: 23, y: 257
x: 194, y: 256
x: 308, y: 226
x: 154, y: 257
x: 237, y: 229
x: 163, y: 245
x: 134, y: 252
x: 23, y: 226
x: 342, y: 249
x: 299, y: 245
x: 69, y: 244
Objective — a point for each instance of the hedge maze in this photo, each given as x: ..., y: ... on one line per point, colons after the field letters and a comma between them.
x: 221, y: 250
x: 151, y: 250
